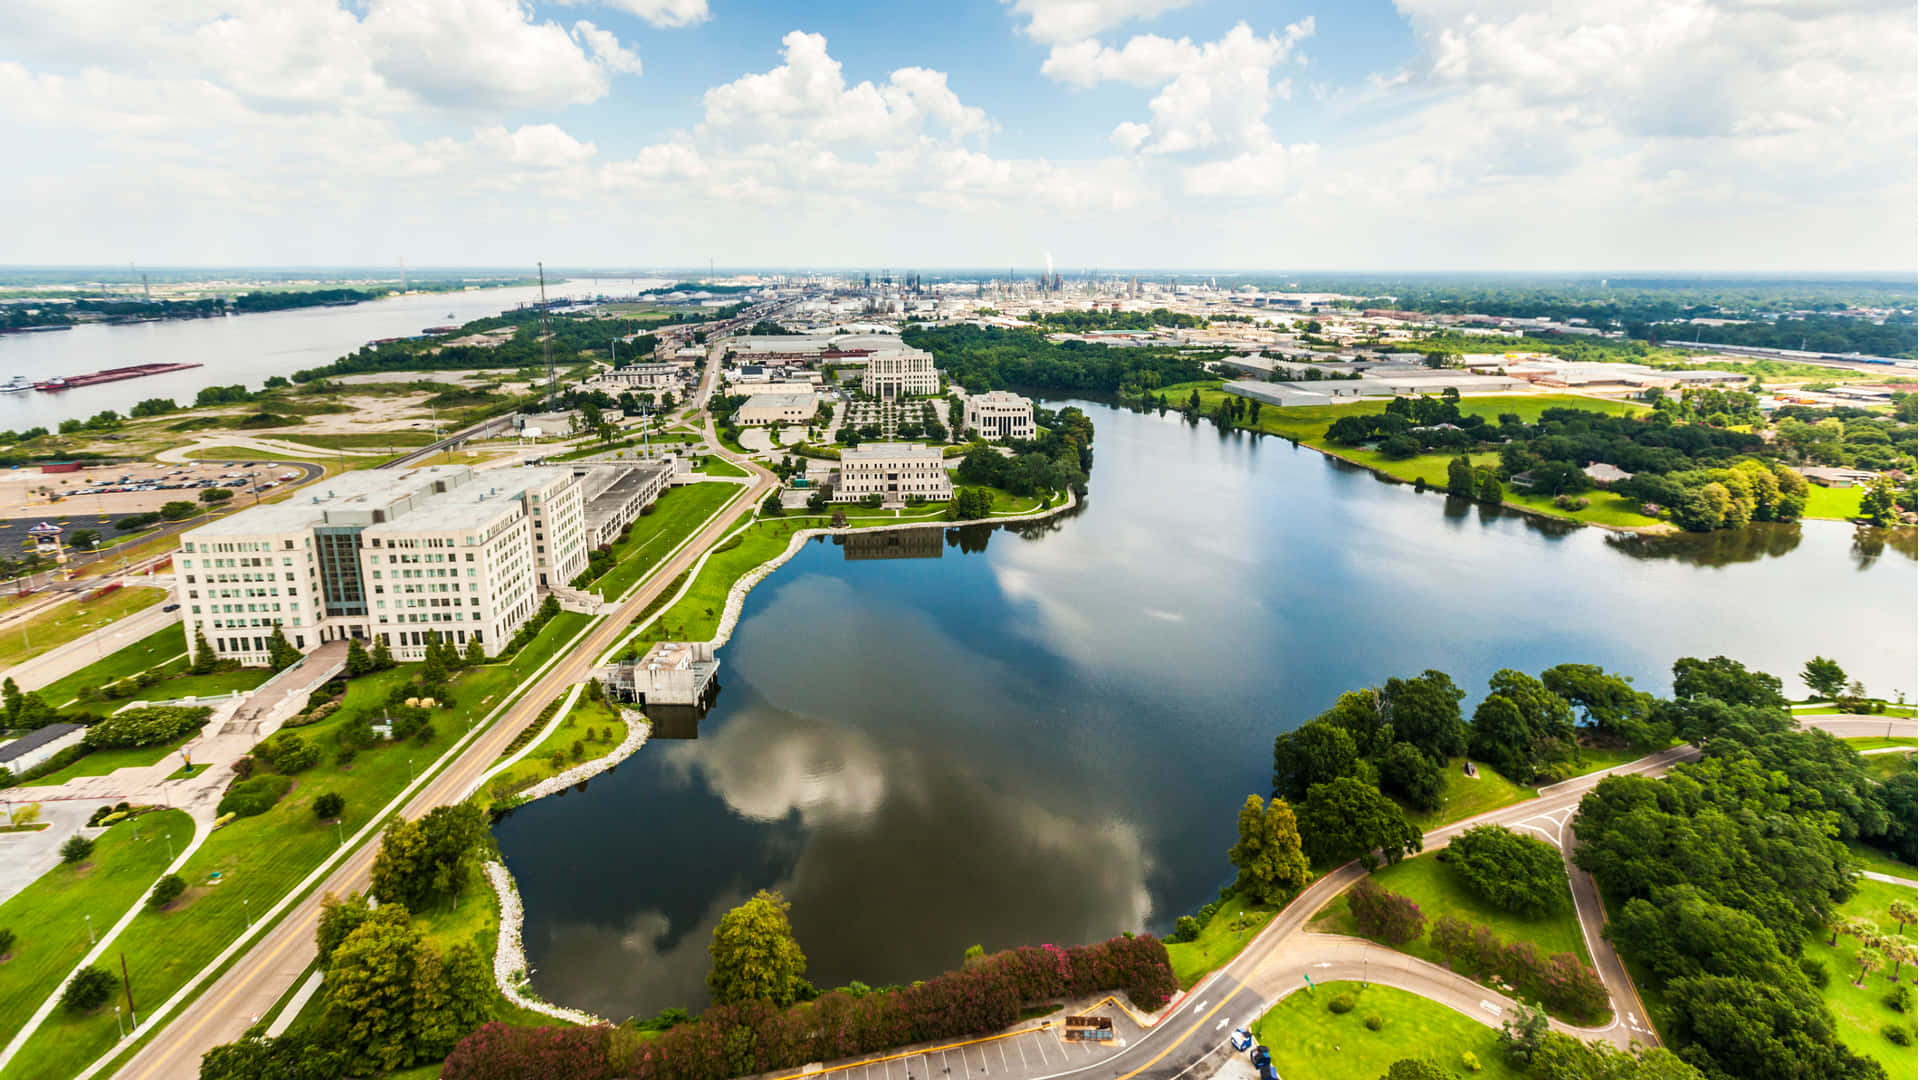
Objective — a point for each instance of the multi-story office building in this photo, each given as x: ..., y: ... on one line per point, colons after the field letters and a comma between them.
x: 998, y: 414
x: 394, y: 555
x: 900, y: 373
x: 894, y: 471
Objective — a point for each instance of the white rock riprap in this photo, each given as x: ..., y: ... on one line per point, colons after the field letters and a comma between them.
x: 638, y: 728
x: 510, y: 958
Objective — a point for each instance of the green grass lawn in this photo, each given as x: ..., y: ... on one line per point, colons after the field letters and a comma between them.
x: 1308, y: 424
x: 1310, y: 1041
x: 676, y: 514
x: 715, y: 465
x: 1858, y: 1010
x: 246, y: 453
x: 1879, y: 742
x: 1897, y: 711
x: 537, y: 765
x: 1832, y: 502
x: 1872, y: 858
x: 165, y: 651
x: 1438, y: 891
x: 50, y: 915
x: 1220, y: 940
x: 72, y: 620
x: 696, y: 616
x: 102, y: 762
x: 1888, y: 766
x: 261, y: 858
x: 1465, y: 796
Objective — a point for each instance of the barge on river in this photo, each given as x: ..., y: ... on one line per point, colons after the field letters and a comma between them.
x: 137, y: 371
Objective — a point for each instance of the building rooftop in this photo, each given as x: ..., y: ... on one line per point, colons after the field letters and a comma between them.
x: 34, y: 740
x: 308, y: 506
x: 890, y: 451
x: 780, y: 401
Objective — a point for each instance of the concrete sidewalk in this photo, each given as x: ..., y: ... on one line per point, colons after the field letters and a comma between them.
x: 56, y: 664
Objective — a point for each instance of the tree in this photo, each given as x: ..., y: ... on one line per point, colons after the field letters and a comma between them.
x: 339, y: 916
x: 1412, y: 775
x: 422, y: 861
x: 166, y: 891
x: 1608, y: 703
x: 280, y: 652
x: 1512, y: 872
x: 1384, y: 916
x: 329, y: 806
x: 1523, y: 1031
x: 1346, y: 819
x: 1415, y: 1069
x: 476, y: 653
x: 1824, y: 678
x: 297, y: 1055
x: 1521, y: 726
x: 203, y: 657
x: 1460, y: 477
x: 1742, y: 1028
x: 89, y: 989
x: 1559, y: 1057
x: 1726, y: 681
x: 755, y: 957
x: 382, y: 656
x: 1425, y: 711
x: 1312, y: 754
x: 452, y: 995
x: 1877, y: 506
x: 25, y: 814
x: 1268, y: 853
x: 358, y: 662
x: 369, y: 991
x: 1902, y: 912
x: 215, y: 495
x: 75, y: 849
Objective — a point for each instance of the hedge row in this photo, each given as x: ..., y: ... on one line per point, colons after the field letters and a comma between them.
x: 737, y: 1040
x: 148, y: 726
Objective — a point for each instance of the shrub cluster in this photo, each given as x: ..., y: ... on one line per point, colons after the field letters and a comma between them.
x: 1385, y: 916
x: 1561, y: 981
x: 754, y: 1037
x: 254, y: 796
x: 148, y: 726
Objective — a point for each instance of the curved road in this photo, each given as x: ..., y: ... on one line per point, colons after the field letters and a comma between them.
x: 269, y: 968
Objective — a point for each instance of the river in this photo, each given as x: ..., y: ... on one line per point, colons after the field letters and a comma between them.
x: 1045, y: 735
x: 235, y: 348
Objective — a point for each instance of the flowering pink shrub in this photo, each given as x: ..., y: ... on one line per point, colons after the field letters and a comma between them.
x: 755, y: 1037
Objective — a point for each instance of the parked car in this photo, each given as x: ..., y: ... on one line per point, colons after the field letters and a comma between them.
x: 171, y: 607
x: 1241, y: 1039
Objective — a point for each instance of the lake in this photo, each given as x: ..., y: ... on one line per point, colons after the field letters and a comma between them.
x: 235, y: 348
x: 1043, y: 734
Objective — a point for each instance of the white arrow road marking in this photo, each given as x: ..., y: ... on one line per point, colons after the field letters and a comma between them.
x: 1200, y: 1006
x: 1490, y: 1007
x: 1222, y: 1024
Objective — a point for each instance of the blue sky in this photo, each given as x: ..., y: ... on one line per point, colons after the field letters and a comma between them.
x: 1205, y: 134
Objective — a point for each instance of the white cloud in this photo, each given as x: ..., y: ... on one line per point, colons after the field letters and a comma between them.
x: 807, y: 97
x: 665, y: 14
x: 1211, y: 94
x: 606, y: 48
x: 479, y: 54
x: 1058, y: 21
x: 541, y: 146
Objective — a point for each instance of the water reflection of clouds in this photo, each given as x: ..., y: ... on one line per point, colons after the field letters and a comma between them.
x: 593, y: 967
x: 928, y: 850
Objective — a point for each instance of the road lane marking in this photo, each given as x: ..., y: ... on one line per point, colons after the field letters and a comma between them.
x: 1200, y: 1006
x: 1491, y: 1007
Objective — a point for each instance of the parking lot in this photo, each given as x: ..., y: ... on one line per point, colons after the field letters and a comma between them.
x: 113, y: 491
x: 1038, y: 1051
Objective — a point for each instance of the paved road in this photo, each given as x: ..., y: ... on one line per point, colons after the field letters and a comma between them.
x: 56, y: 664
x: 269, y: 969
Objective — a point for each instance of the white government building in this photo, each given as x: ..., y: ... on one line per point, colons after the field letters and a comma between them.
x: 895, y: 471
x: 999, y: 414
x: 898, y: 373
x: 394, y: 555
